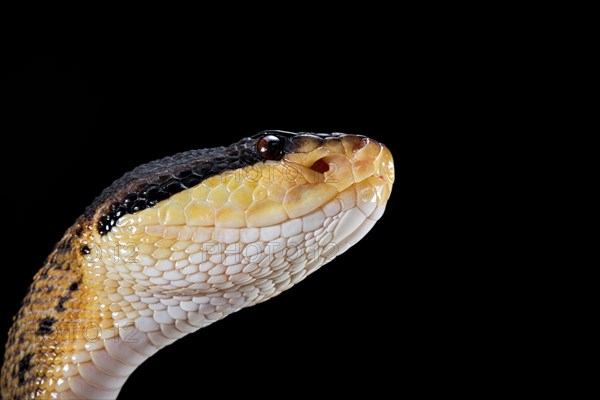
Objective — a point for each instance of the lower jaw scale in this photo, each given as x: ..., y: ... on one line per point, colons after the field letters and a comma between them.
x: 224, y: 258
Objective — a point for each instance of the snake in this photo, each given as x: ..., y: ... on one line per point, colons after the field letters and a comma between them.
x: 179, y: 243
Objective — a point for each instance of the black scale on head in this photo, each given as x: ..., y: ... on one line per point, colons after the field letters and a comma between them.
x: 158, y: 180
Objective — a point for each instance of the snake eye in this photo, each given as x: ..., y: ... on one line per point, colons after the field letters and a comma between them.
x: 270, y: 147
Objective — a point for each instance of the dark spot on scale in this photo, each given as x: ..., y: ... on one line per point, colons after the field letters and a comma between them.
x: 161, y: 195
x: 136, y: 206
x: 79, y: 231
x: 191, y: 181
x: 49, y: 288
x: 149, y: 192
x: 74, y: 286
x: 61, y: 303
x: 46, y: 326
x: 183, y: 174
x: 130, y: 198
x: 172, y: 187
x: 85, y: 249
x: 24, y: 366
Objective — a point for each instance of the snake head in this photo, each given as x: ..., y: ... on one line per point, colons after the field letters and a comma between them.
x: 273, y: 208
x: 313, y: 169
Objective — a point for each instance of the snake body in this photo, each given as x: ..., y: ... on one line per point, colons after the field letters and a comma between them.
x: 179, y: 243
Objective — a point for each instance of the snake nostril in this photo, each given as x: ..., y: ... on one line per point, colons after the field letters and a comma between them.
x: 321, y: 166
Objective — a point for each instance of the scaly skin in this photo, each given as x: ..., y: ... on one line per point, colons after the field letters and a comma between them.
x: 113, y: 293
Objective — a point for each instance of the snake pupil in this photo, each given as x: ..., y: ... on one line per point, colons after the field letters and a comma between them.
x: 270, y: 147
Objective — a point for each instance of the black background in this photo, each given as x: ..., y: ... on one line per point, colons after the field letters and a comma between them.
x: 81, y: 121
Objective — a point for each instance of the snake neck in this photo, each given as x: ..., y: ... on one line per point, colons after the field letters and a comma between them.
x: 75, y: 337
x: 48, y: 330
x: 91, y: 317
x: 84, y: 327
